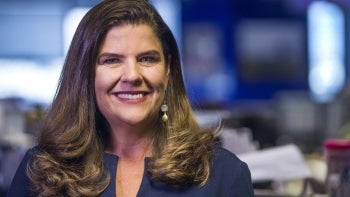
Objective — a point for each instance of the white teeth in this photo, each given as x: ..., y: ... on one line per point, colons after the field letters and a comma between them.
x: 130, y: 96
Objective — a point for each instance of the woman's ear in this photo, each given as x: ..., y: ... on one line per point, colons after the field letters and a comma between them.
x: 168, y: 66
x: 168, y: 62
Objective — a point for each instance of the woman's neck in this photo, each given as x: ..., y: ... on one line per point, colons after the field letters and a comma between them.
x: 130, y: 145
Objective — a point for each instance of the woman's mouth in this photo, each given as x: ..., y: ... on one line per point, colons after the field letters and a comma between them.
x: 130, y: 96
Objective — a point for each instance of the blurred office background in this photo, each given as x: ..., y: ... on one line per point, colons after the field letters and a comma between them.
x: 279, y: 68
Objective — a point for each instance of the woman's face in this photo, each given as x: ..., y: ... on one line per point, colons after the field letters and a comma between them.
x: 131, y: 76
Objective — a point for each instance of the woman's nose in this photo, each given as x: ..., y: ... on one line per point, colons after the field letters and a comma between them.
x: 131, y: 72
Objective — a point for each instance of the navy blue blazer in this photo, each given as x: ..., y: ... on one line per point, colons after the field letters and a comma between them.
x: 230, y: 177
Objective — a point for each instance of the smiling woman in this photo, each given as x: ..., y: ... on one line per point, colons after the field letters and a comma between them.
x: 121, y: 123
x: 131, y: 78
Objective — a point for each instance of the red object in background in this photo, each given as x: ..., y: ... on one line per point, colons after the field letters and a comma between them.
x: 337, y: 154
x: 337, y: 144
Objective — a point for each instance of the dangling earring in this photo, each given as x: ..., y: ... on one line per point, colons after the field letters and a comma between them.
x: 164, y: 109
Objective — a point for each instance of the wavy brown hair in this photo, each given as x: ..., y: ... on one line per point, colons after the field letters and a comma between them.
x: 69, y: 160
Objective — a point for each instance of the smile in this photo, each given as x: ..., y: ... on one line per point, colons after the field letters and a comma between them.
x: 130, y: 96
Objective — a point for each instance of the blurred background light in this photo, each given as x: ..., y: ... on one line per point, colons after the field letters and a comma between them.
x: 70, y: 24
x: 170, y: 10
x: 326, y: 36
x: 29, y: 80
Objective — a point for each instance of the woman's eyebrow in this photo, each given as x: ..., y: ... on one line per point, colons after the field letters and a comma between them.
x: 151, y: 52
x: 120, y: 56
x: 110, y: 55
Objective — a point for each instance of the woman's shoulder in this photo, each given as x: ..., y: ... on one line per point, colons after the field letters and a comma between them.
x: 224, y: 161
x: 222, y: 154
x: 33, y: 150
x: 27, y: 154
x: 231, y: 173
x: 20, y: 178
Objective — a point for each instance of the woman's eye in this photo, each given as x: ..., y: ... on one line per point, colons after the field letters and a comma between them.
x: 111, y: 61
x: 108, y: 60
x: 147, y: 59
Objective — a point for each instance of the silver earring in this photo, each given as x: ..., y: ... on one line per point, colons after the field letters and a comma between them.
x: 164, y: 109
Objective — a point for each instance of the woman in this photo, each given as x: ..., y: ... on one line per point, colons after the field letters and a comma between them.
x: 121, y: 123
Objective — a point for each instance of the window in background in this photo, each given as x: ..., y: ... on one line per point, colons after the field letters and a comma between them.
x: 29, y: 80
x: 31, y: 65
x: 70, y: 24
x: 31, y: 49
x: 30, y: 29
x: 170, y: 10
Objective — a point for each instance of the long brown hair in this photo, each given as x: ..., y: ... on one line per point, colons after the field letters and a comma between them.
x: 71, y: 147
